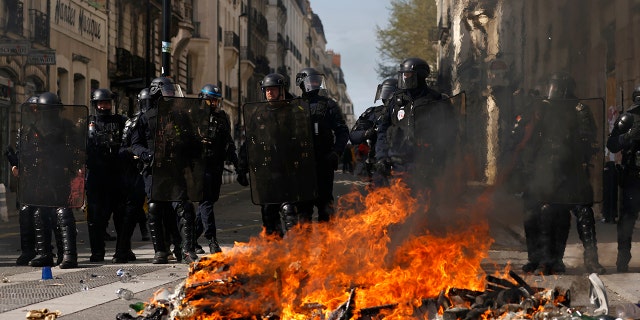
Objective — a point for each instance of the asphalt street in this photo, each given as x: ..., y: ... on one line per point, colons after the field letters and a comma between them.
x: 88, y: 292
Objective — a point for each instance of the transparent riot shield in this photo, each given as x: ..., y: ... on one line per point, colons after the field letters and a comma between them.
x: 52, y: 154
x: 279, y: 145
x: 437, y: 135
x: 178, y: 163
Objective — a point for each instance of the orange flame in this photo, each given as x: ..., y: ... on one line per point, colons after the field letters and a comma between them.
x: 310, y: 272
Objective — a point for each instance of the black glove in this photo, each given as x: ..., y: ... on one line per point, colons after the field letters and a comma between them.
x: 242, y: 178
x: 332, y: 160
x: 146, y: 157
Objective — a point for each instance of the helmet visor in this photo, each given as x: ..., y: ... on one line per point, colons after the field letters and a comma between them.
x: 171, y: 90
x: 407, y: 80
x: 384, y: 92
x: 314, y: 82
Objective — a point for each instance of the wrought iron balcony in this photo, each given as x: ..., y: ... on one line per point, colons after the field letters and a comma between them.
x: 39, y: 27
x: 231, y: 39
x: 15, y: 17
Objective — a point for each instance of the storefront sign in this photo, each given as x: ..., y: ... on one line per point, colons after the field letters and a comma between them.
x: 75, y: 17
x: 14, y: 48
x: 42, y: 57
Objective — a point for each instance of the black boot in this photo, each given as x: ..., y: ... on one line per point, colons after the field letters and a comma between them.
x: 27, y: 236
x: 57, y: 234
x: 186, y: 213
x: 560, y: 234
x: 156, y: 230
x: 586, y: 224
x: 214, y: 247
x: 123, y: 243
x: 42, y: 222
x: 532, y: 237
x: 67, y: 223
x: 97, y: 230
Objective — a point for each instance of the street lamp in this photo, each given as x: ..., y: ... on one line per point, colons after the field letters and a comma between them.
x: 239, y: 121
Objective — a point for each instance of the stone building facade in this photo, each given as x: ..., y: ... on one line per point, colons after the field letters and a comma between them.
x: 72, y: 47
x: 496, y: 50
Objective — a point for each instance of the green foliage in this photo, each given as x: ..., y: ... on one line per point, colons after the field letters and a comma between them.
x: 407, y: 35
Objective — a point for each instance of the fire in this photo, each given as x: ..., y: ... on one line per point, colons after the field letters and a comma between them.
x: 366, y: 257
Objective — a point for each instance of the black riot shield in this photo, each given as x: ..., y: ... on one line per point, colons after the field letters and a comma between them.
x: 437, y: 135
x: 279, y: 144
x: 178, y: 164
x: 595, y: 107
x: 52, y: 153
x: 565, y: 154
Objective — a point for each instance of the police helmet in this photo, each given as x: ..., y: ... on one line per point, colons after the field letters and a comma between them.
x: 274, y: 80
x: 144, y: 99
x: 386, y: 89
x: 413, y: 73
x: 309, y: 79
x: 560, y: 86
x: 101, y: 94
x: 209, y: 92
x: 164, y: 87
x: 49, y: 99
x: 635, y: 96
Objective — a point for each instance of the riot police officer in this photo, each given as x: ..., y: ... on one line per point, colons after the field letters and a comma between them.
x: 625, y: 138
x: 103, y: 171
x: 404, y: 145
x: 330, y: 136
x: 163, y: 214
x: 133, y: 192
x: 218, y: 148
x: 275, y: 87
x: 25, y: 213
x: 364, y: 130
x: 48, y: 144
x: 557, y: 156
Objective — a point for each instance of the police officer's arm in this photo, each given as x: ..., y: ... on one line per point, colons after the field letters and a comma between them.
x: 615, y: 141
x: 340, y: 129
x: 139, y: 145
x: 362, y: 129
x: 382, y: 123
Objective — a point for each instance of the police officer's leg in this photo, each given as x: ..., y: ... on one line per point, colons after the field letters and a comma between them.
x: 532, y: 237
x: 210, y: 223
x: 27, y: 236
x: 560, y: 233
x: 204, y: 213
x: 546, y: 238
x: 186, y: 213
x: 586, y: 224
x: 271, y: 219
x: 125, y: 225
x: 324, y: 202
x: 43, y: 224
x: 156, y: 229
x: 96, y: 223
x: 626, y: 223
x: 172, y: 231
x: 57, y: 235
x: 67, y: 223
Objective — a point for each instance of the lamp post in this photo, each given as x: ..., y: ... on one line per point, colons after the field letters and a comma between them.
x: 239, y: 121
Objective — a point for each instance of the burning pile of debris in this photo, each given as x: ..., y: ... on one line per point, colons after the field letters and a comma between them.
x: 362, y: 265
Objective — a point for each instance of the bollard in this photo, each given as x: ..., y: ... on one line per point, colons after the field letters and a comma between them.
x: 46, y: 273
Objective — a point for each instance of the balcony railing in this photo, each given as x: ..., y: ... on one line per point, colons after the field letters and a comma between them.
x: 247, y: 54
x: 15, y: 17
x: 231, y: 39
x: 123, y: 62
x: 39, y: 26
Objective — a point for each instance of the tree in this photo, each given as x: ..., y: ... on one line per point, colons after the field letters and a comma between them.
x: 407, y: 35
